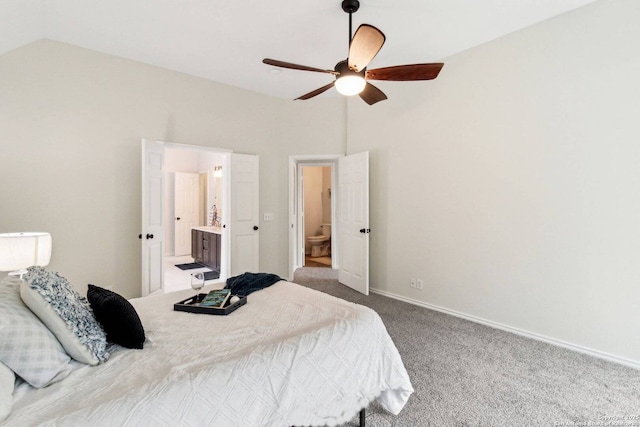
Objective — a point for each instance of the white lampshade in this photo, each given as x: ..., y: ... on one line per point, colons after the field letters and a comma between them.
x: 350, y: 84
x: 21, y: 250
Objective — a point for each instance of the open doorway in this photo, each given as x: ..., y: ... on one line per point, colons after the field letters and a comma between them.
x: 312, y: 207
x: 239, y: 237
x: 316, y: 215
x: 349, y: 215
x: 194, y: 194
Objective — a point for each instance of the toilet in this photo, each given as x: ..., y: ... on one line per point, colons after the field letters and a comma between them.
x: 321, y: 244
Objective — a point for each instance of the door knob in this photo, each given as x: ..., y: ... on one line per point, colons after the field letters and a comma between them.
x: 149, y: 236
x: 139, y: 236
x: 362, y: 230
x: 178, y: 219
x: 255, y: 227
x: 365, y: 230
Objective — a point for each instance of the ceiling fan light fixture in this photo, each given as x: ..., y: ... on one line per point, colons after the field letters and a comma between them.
x: 350, y: 85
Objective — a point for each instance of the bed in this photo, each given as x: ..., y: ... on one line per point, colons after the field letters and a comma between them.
x: 291, y: 356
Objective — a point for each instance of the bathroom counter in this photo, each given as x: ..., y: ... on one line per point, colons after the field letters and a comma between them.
x: 208, y: 229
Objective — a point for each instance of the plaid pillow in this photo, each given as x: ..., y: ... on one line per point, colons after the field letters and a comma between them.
x: 26, y: 345
x: 7, y: 380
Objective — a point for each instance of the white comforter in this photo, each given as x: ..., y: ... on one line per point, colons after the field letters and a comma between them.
x: 290, y: 356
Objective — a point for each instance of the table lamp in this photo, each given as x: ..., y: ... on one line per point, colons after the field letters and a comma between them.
x: 21, y: 250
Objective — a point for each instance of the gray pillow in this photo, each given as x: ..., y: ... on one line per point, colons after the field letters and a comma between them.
x: 26, y: 345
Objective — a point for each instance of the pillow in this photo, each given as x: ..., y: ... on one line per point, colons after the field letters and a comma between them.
x: 26, y: 345
x: 117, y: 316
x: 7, y: 380
x: 66, y: 313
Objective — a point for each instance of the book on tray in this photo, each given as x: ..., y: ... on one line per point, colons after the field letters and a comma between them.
x: 216, y: 298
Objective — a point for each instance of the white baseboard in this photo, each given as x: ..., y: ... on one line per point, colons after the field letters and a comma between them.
x: 517, y: 331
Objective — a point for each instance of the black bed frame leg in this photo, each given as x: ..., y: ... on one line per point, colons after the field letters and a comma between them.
x: 362, y: 416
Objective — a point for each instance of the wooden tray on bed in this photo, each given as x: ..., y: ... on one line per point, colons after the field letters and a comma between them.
x: 189, y: 305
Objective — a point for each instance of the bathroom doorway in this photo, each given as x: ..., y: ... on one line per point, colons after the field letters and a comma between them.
x: 239, y: 237
x: 349, y: 215
x: 297, y: 236
x: 316, y: 186
x: 192, y: 182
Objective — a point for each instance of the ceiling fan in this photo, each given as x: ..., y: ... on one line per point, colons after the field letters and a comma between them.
x: 352, y: 75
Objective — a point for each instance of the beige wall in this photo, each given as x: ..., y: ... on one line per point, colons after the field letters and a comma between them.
x: 71, y: 122
x: 511, y: 184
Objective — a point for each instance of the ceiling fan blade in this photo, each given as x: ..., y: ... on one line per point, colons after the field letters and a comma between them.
x: 316, y: 92
x: 372, y: 94
x: 283, y: 64
x: 365, y: 45
x: 402, y: 73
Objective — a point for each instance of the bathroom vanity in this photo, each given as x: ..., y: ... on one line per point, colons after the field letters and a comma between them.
x: 205, y: 246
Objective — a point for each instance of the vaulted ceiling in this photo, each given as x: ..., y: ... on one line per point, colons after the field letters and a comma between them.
x: 225, y: 41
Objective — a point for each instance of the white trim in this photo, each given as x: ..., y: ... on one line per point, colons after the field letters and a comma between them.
x: 192, y: 147
x: 517, y: 331
x: 301, y: 158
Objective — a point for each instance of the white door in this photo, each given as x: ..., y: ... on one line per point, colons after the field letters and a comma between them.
x: 152, y: 224
x: 353, y: 221
x: 186, y: 209
x: 244, y: 201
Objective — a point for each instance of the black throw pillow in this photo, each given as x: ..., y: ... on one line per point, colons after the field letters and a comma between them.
x: 117, y: 316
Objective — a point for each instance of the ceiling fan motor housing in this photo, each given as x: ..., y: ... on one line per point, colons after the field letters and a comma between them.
x: 343, y: 69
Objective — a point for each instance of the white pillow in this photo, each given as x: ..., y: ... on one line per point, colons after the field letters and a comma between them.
x: 66, y: 313
x: 26, y: 345
x: 7, y: 380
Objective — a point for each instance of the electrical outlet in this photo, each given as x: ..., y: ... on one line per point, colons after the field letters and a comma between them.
x: 419, y: 284
x: 413, y: 282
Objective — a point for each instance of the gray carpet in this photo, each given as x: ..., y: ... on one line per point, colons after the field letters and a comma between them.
x: 467, y: 374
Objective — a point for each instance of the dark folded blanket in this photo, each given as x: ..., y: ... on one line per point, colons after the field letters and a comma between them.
x: 247, y: 283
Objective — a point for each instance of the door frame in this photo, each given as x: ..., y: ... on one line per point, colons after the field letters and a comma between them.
x: 296, y: 190
x: 226, y: 176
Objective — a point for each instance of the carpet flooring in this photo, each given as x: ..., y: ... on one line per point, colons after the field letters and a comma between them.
x: 467, y: 374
